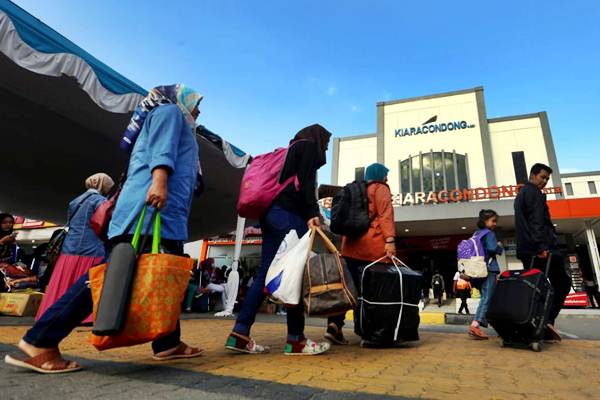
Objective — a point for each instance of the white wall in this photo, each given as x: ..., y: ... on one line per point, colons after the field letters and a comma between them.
x: 580, y: 185
x: 517, y: 135
x: 355, y: 153
x: 448, y: 109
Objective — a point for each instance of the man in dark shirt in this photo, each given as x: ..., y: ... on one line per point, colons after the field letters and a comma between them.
x: 536, y: 239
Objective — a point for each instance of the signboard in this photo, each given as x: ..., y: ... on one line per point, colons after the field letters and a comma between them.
x: 460, y: 195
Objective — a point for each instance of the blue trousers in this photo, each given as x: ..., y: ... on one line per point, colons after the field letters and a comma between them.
x: 486, y: 288
x: 277, y: 223
x: 75, y: 305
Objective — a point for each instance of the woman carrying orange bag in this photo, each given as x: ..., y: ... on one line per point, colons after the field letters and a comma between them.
x: 164, y: 165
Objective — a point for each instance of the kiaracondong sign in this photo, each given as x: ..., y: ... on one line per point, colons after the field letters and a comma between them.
x: 459, y: 195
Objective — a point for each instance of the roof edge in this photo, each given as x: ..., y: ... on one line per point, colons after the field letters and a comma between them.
x: 516, y: 117
x: 430, y: 96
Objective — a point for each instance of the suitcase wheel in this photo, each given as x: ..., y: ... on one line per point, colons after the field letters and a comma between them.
x: 536, y: 346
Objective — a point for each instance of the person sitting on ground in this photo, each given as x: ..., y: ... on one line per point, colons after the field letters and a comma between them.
x: 488, y: 220
x: 537, y: 240
x: 213, y: 281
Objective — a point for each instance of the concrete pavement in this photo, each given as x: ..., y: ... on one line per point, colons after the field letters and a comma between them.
x: 441, y: 366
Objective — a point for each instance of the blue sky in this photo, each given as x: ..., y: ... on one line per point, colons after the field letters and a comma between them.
x: 269, y: 68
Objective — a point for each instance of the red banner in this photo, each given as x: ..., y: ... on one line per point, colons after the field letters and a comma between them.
x: 578, y: 299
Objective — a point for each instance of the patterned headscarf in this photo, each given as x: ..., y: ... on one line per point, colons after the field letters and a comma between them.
x: 185, y: 98
x: 101, y: 182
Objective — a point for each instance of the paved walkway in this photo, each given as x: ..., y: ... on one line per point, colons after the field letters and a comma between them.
x: 442, y: 366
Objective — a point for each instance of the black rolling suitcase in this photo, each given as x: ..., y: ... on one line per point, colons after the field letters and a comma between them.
x: 520, y: 307
x: 387, y: 313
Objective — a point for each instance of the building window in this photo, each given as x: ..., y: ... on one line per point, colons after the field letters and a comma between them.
x: 434, y: 171
x: 405, y: 176
x: 592, y: 187
x: 461, y: 171
x: 427, y: 173
x: 519, y: 166
x: 416, y: 173
x: 569, y: 189
x: 359, y: 174
x: 450, y: 171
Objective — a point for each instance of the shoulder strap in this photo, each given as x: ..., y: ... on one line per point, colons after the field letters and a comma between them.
x: 78, y: 207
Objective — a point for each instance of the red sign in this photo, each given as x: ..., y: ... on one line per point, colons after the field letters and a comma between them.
x: 578, y: 299
x: 458, y: 195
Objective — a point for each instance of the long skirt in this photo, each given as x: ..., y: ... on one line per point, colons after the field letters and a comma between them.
x: 68, y: 269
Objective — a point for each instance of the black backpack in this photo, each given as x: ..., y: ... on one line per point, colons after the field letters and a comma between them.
x: 350, y: 210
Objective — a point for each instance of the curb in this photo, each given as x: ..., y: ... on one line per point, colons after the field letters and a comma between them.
x: 427, y: 318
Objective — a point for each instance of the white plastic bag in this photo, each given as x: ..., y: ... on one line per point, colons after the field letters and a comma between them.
x: 284, y: 277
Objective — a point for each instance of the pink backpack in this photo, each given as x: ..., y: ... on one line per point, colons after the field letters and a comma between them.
x: 260, y: 184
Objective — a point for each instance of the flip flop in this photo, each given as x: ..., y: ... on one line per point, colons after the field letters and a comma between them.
x: 180, y: 352
x: 22, y: 360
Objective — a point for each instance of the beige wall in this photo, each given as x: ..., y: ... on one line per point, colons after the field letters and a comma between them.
x: 448, y: 109
x: 580, y: 186
x: 517, y: 135
x: 355, y: 153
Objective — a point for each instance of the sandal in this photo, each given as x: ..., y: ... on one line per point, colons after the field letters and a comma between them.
x: 335, y: 335
x: 181, y: 351
x: 22, y: 360
x: 243, y: 344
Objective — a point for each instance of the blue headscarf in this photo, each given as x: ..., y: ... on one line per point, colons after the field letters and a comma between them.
x: 376, y: 172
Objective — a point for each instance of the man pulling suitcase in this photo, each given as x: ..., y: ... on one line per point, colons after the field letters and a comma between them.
x: 537, y: 241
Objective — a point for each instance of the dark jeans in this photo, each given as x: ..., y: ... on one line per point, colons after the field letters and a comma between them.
x: 76, y: 304
x: 355, y: 267
x: 463, y: 295
x: 277, y: 223
x: 558, y: 276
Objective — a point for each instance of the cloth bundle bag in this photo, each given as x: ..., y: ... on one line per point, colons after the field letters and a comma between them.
x: 328, y: 286
x: 158, y: 289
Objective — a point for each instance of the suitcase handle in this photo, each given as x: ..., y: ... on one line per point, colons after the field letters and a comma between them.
x: 548, y: 259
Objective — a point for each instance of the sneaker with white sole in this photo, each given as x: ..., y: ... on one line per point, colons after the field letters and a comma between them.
x: 306, y: 348
x: 243, y: 344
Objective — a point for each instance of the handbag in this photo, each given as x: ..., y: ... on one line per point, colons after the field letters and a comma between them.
x: 101, y: 218
x: 283, y: 283
x: 158, y: 289
x: 474, y: 267
x: 328, y: 286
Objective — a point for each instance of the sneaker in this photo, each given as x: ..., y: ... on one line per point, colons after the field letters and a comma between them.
x: 552, y: 335
x: 476, y: 333
x: 243, y: 344
x: 306, y: 348
x: 335, y: 335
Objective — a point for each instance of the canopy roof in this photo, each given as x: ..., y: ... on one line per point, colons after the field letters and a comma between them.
x: 62, y: 114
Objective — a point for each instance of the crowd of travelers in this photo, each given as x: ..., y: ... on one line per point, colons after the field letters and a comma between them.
x: 163, y: 174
